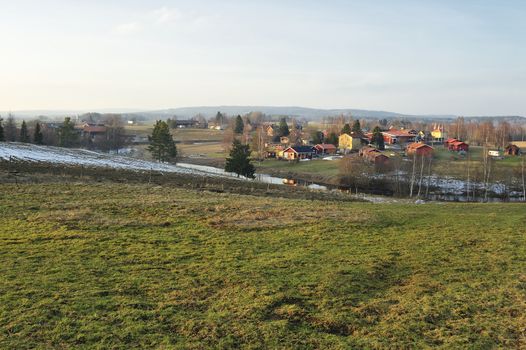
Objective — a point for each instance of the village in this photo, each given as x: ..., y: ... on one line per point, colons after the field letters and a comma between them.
x: 388, y: 157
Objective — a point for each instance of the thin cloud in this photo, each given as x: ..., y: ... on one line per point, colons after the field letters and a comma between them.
x: 127, y: 28
x: 166, y: 15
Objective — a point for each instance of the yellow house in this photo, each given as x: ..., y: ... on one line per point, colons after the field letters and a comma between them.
x: 438, y: 133
x: 348, y: 142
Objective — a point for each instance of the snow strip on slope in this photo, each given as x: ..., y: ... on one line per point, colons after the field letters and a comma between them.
x: 58, y: 155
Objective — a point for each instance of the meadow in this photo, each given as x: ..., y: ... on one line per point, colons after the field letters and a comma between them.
x: 120, y: 266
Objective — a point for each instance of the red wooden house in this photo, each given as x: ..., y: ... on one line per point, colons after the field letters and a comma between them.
x: 393, y: 136
x: 420, y: 149
x: 373, y: 155
x: 458, y: 146
x: 325, y: 148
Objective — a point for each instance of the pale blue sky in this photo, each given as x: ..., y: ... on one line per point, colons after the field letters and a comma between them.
x: 459, y: 57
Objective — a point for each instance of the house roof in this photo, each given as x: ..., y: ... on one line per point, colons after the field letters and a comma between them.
x: 326, y: 146
x: 521, y: 144
x: 458, y: 143
x: 94, y: 128
x: 300, y: 149
x: 451, y: 140
x: 380, y: 155
x: 398, y: 133
x: 417, y: 145
x: 369, y: 149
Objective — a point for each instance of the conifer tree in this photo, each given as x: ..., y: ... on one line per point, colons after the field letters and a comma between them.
x: 239, y: 126
x: 38, y: 137
x: 219, y: 118
x: 24, y: 134
x: 346, y: 129
x: 283, y: 127
x: 356, y: 127
x: 239, y: 161
x: 10, y: 129
x: 68, y: 137
x: 317, y: 137
x: 332, y: 139
x: 162, y: 145
x: 2, y: 137
x: 378, y: 138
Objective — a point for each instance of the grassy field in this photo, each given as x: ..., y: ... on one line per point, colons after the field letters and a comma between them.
x: 121, y: 266
x: 196, y: 135
x: 316, y: 166
x: 206, y: 149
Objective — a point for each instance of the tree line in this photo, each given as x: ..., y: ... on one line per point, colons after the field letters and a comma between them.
x: 63, y: 134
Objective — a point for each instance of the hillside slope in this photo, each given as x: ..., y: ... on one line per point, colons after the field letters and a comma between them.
x: 121, y: 266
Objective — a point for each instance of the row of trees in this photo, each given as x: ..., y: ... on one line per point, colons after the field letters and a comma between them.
x: 489, y: 132
x: 63, y: 134
x: 11, y: 133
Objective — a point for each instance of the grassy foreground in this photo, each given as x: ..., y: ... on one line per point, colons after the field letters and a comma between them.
x: 122, y: 266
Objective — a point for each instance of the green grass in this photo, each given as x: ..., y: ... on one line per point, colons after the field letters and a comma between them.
x: 315, y: 166
x: 189, y: 135
x: 208, y: 150
x: 121, y: 266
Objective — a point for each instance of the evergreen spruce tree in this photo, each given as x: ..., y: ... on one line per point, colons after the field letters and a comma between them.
x: 239, y: 126
x: 356, y: 127
x: 378, y: 138
x: 317, y: 137
x: 67, y: 135
x: 38, y: 137
x: 10, y: 129
x: 346, y: 129
x: 219, y: 118
x: 2, y: 137
x: 162, y: 145
x: 239, y: 161
x: 24, y: 134
x: 332, y: 139
x: 283, y: 127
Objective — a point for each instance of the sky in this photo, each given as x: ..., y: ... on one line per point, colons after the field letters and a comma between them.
x: 417, y: 57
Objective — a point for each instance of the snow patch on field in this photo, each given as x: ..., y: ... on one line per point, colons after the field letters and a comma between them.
x: 68, y: 156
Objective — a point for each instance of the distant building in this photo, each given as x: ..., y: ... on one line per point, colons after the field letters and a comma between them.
x: 352, y: 142
x: 520, y: 144
x: 299, y: 152
x: 512, y: 150
x: 93, y: 132
x: 456, y: 145
x: 284, y: 140
x: 271, y: 130
x: 325, y: 148
x: 438, y: 134
x: 274, y: 150
x: 394, y: 136
x: 419, y: 149
x: 189, y: 123
x: 373, y: 155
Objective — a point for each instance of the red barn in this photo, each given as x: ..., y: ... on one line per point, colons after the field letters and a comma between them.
x: 373, y: 155
x: 458, y: 146
x: 420, y: 149
x: 325, y: 148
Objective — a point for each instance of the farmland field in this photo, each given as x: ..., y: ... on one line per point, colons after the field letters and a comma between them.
x: 138, y: 266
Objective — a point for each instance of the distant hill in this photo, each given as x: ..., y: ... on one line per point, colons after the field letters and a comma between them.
x: 300, y: 112
x: 290, y: 111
